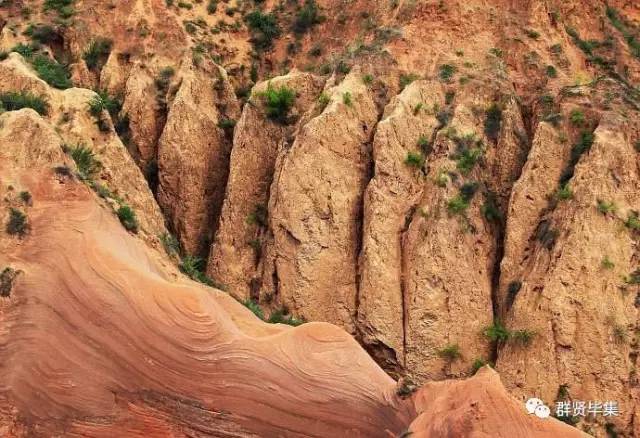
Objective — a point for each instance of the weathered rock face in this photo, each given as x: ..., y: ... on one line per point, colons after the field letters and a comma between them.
x: 68, y: 111
x: 315, y: 210
x: 577, y: 281
x: 193, y: 154
x: 257, y: 142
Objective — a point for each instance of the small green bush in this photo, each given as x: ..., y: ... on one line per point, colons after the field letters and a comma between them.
x: 227, y: 124
x: 577, y: 117
x: 490, y: 210
x: 25, y: 197
x: 128, y: 218
x: 193, y: 267
x: 212, y: 6
x: 254, y: 307
x: 52, y: 72
x: 533, y: 34
x: 85, y: 160
x: 450, y: 352
x: 606, y: 207
x: 497, y: 332
x: 43, y: 34
x: 346, y: 98
x: 278, y: 102
x: 446, y: 72
x: 468, y: 159
x: 564, y: 193
x: 64, y: 8
x: 477, y: 364
x: 414, y: 159
x: 185, y: 5
x: 306, y: 17
x: 280, y: 317
x: 17, y: 224
x: 13, y: 101
x: 97, y: 53
x: 551, y: 71
x: 170, y: 244
x: 457, y: 205
x: 264, y: 29
x: 406, y: 79
x: 523, y: 337
x: 607, y: 263
x: 633, y: 222
x: 259, y: 216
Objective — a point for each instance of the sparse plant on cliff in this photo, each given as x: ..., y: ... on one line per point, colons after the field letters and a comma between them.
x: 227, y: 124
x: 7, y: 277
x: 346, y: 98
x: 490, y: 209
x: 259, y: 216
x: 414, y: 159
x: 85, y: 160
x: 497, y: 332
x: 551, y: 71
x: 607, y: 263
x: 457, y: 205
x: 97, y: 53
x: 254, y: 307
x: 633, y: 221
x: 450, y: 353
x: 564, y: 193
x: 278, y: 102
x: 212, y: 6
x: 128, y: 218
x: 193, y: 267
x: 468, y: 152
x: 446, y: 72
x: 406, y: 79
x: 43, y: 34
x: 307, y: 16
x: 52, y: 72
x: 280, y: 316
x: 264, y: 29
x: 605, y: 207
x: 577, y: 117
x: 405, y: 387
x: 17, y: 224
x: 477, y: 364
x: 13, y: 101
x: 64, y: 8
x: 523, y: 337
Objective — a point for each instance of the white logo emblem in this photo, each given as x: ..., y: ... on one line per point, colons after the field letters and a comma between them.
x: 537, y: 407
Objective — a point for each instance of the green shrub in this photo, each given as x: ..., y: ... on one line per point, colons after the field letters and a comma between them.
x: 533, y: 34
x: 254, y: 307
x: 264, y: 29
x: 606, y: 207
x: 43, y: 34
x: 457, y: 205
x: 101, y: 102
x: 185, y: 5
x: 212, y: 6
x: 477, y: 364
x: 259, y: 216
x: 633, y: 221
x: 97, y: 53
x: 546, y: 235
x: 367, y: 79
x: 607, y: 263
x: 64, y: 8
x: 85, y: 160
x: 414, y: 159
x: 564, y: 193
x: 634, y: 277
x: 128, y: 218
x: 551, y: 71
x: 13, y: 101
x: 468, y: 159
x: 26, y: 50
x: 17, y: 224
x: 523, y: 337
x: 280, y: 317
x: 450, y: 352
x: 52, y: 72
x: 406, y: 79
x: 446, y: 72
x: 346, y: 98
x: 323, y: 100
x: 497, y: 332
x: 25, y: 197
x: 492, y: 122
x: 490, y: 209
x: 306, y: 17
x: 193, y: 267
x: 170, y: 244
x: 577, y: 117
x: 278, y: 102
x: 227, y: 124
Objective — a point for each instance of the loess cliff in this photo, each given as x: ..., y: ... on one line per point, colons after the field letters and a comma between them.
x: 360, y: 192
